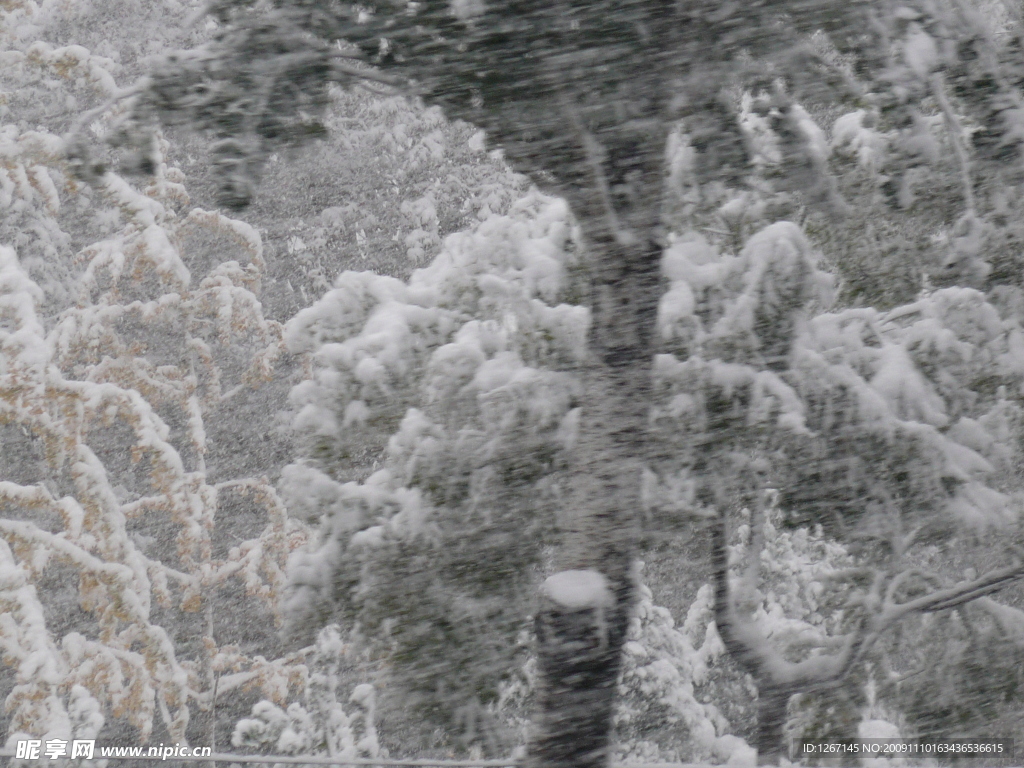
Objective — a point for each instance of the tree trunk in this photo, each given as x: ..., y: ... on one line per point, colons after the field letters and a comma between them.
x: 770, y: 740
x: 579, y: 647
x: 579, y: 659
x: 772, y: 698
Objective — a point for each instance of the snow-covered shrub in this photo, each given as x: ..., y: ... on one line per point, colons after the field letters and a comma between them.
x: 466, y: 371
x: 320, y: 726
x: 666, y: 711
x: 799, y: 599
x: 675, y: 685
x: 800, y: 604
x: 44, y: 706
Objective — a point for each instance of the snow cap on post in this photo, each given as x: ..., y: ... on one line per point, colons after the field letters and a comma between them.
x: 578, y: 590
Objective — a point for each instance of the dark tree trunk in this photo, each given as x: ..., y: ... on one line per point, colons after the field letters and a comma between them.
x: 579, y: 660
x: 579, y: 650
x: 770, y: 740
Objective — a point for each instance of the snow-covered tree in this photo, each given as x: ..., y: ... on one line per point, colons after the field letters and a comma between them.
x: 43, y: 704
x: 464, y: 373
x: 80, y: 386
x: 581, y: 97
x: 895, y: 431
x: 115, y: 355
x: 407, y: 179
x: 411, y: 359
x: 764, y: 384
x: 909, y: 476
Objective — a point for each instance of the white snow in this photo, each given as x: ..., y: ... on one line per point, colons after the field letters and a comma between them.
x: 578, y: 590
x: 920, y: 51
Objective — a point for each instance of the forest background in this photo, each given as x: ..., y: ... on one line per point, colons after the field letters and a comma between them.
x: 156, y: 532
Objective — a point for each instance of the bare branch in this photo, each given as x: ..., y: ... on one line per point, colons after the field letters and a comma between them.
x: 754, y: 548
x: 593, y: 150
x: 902, y: 578
x: 376, y: 91
x: 234, y: 681
x: 956, y: 134
x: 95, y: 112
x: 365, y: 74
x: 964, y: 593
x: 198, y: 15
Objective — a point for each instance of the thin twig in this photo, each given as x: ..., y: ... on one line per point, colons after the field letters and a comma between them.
x: 377, y: 91
x: 121, y: 95
x: 366, y: 74
x: 956, y: 131
x: 198, y: 15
